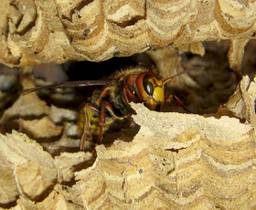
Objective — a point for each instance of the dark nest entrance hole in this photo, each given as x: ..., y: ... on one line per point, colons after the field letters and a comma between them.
x: 207, y: 83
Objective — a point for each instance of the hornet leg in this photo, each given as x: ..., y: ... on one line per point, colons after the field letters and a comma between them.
x: 85, y: 123
x: 180, y: 103
x: 106, y: 106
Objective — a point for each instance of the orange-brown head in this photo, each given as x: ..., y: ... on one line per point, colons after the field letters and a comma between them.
x: 146, y: 88
x: 152, y: 90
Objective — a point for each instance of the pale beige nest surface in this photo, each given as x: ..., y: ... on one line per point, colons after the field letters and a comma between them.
x: 55, y: 31
x: 176, y: 161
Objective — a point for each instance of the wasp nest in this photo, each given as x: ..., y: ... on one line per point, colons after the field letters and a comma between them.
x: 175, y: 161
x: 39, y: 31
x: 162, y: 160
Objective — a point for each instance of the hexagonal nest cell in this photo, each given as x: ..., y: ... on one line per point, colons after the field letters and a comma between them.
x: 90, y: 136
